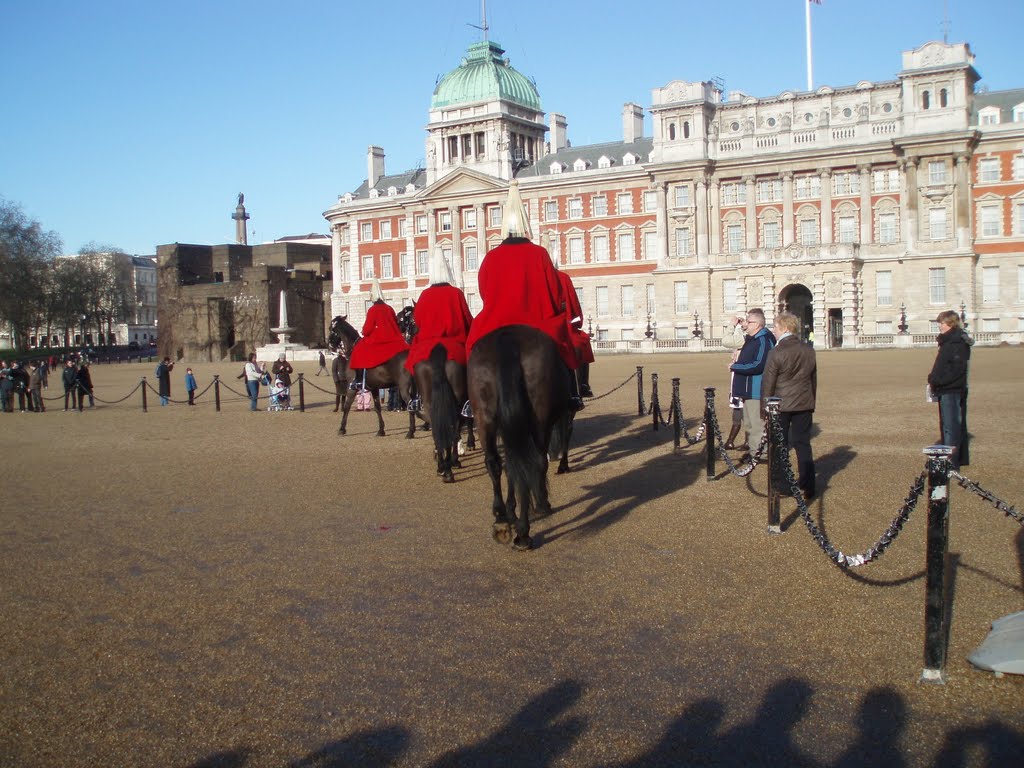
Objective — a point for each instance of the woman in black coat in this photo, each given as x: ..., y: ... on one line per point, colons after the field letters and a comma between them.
x: 948, y: 380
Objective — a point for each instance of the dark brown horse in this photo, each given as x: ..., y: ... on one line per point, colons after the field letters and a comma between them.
x: 391, y: 374
x: 441, y: 385
x: 519, y: 391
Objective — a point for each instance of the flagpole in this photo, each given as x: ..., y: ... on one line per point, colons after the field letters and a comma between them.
x: 807, y: 15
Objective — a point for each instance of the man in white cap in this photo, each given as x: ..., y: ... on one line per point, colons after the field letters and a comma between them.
x: 381, y: 340
x: 441, y: 315
x: 519, y: 286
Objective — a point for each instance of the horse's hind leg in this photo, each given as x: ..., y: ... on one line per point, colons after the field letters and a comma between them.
x: 380, y: 416
x: 522, y: 540
x: 502, y: 529
x: 346, y: 404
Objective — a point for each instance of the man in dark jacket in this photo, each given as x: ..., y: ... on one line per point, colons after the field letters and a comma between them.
x: 338, y: 375
x: 747, y: 372
x: 948, y: 380
x: 791, y: 373
x: 69, y: 376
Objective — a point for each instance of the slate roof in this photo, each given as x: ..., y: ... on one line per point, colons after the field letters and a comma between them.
x: 615, y: 151
x: 417, y: 177
x: 1005, y: 100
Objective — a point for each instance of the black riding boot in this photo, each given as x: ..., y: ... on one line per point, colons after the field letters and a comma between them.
x: 583, y: 373
x: 575, y: 401
x: 358, y: 376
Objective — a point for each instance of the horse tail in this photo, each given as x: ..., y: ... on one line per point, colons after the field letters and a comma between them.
x: 524, y: 461
x: 444, y: 410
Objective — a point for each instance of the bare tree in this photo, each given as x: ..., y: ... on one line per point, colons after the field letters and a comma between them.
x: 26, y: 253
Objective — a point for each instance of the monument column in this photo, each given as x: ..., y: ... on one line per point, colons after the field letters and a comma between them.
x: 240, y: 217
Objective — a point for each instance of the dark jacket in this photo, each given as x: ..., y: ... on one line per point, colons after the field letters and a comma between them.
x: 949, y: 373
x: 338, y: 369
x: 749, y: 365
x: 69, y: 376
x: 283, y: 370
x: 792, y: 374
x: 85, y: 378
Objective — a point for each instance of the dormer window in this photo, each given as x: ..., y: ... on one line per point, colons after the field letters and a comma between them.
x: 1018, y: 113
x: 580, y: 165
x: 988, y: 116
x: 557, y: 167
x: 604, y: 162
x: 630, y: 159
x: 348, y: 197
x: 374, y: 193
x: 392, y: 191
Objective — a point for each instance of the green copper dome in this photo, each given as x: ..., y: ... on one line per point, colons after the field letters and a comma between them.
x: 484, y: 75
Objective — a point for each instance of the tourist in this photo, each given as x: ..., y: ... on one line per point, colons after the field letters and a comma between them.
x: 85, y: 384
x: 190, y: 386
x: 338, y: 374
x: 253, y: 374
x: 163, y: 376
x: 283, y: 370
x: 791, y: 374
x: 734, y: 341
x: 6, y: 388
x: 948, y: 382
x: 69, y: 376
x: 748, y: 369
x: 35, y: 386
x: 323, y: 364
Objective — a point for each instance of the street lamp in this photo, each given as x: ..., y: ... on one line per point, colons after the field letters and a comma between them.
x: 963, y: 314
x: 82, y: 328
x: 903, y: 327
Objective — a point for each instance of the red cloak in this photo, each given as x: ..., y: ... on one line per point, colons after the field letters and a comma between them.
x: 381, y: 340
x: 519, y: 286
x: 579, y: 338
x: 442, y: 316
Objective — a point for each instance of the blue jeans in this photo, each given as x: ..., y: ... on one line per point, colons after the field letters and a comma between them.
x: 951, y: 423
x: 254, y: 392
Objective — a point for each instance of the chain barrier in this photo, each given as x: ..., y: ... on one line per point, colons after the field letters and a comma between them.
x: 701, y: 430
x: 841, y: 559
x: 314, y: 386
x: 115, y: 402
x: 756, y: 457
x: 995, y: 501
x: 613, y: 390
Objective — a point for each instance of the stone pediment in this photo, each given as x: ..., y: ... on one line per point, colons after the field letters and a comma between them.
x: 463, y: 182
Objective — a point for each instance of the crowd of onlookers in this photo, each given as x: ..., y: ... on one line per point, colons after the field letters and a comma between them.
x: 22, y: 384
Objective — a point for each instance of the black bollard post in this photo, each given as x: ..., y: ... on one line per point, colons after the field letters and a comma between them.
x: 709, y: 433
x: 771, y: 405
x: 677, y: 414
x: 655, y: 405
x: 640, y: 411
x: 144, y: 408
x: 936, y: 622
x: 302, y: 395
x: 216, y: 391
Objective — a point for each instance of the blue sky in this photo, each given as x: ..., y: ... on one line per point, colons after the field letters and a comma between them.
x: 137, y: 123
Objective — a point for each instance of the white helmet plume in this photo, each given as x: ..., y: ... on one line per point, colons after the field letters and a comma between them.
x: 514, y: 221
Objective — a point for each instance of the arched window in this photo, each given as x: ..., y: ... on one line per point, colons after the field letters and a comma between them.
x: 671, y: 131
x: 943, y: 98
x: 925, y: 100
x: 686, y: 129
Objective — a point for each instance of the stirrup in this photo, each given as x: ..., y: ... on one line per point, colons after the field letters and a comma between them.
x: 467, y: 412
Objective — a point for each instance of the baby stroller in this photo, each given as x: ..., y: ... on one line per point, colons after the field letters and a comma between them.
x: 280, y: 397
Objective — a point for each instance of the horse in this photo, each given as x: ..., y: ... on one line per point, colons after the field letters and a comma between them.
x: 391, y: 374
x: 441, y: 385
x: 519, y: 391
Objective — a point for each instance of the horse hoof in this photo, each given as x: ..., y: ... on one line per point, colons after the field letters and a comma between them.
x: 342, y: 432
x: 449, y: 477
x: 410, y: 435
x: 562, y: 469
x: 380, y: 433
x: 522, y: 543
x: 502, y: 533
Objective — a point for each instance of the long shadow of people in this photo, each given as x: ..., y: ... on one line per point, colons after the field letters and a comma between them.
x: 765, y: 740
x: 1001, y: 744
x: 880, y: 722
x: 234, y: 758
x: 533, y: 738
x: 377, y: 747
x: 693, y: 729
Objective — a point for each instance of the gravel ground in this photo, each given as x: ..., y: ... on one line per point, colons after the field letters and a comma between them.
x: 190, y: 588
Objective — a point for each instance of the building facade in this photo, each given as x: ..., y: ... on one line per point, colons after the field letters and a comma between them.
x: 865, y: 209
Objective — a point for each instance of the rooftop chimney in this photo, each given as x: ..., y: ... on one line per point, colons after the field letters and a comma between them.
x: 374, y: 165
x: 558, y: 132
x: 632, y: 122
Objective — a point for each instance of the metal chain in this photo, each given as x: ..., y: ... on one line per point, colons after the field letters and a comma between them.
x: 115, y: 402
x: 309, y: 383
x: 612, y: 391
x: 756, y: 458
x: 682, y: 423
x: 988, y: 496
x: 873, y: 552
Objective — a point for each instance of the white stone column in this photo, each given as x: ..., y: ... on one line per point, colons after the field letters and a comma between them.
x: 751, y: 213
x: 962, y: 201
x: 457, y: 260
x: 908, y: 202
x: 826, y: 206
x: 866, y: 215
x: 715, y: 219
x: 701, y: 216
x: 787, y: 208
x: 661, y: 224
